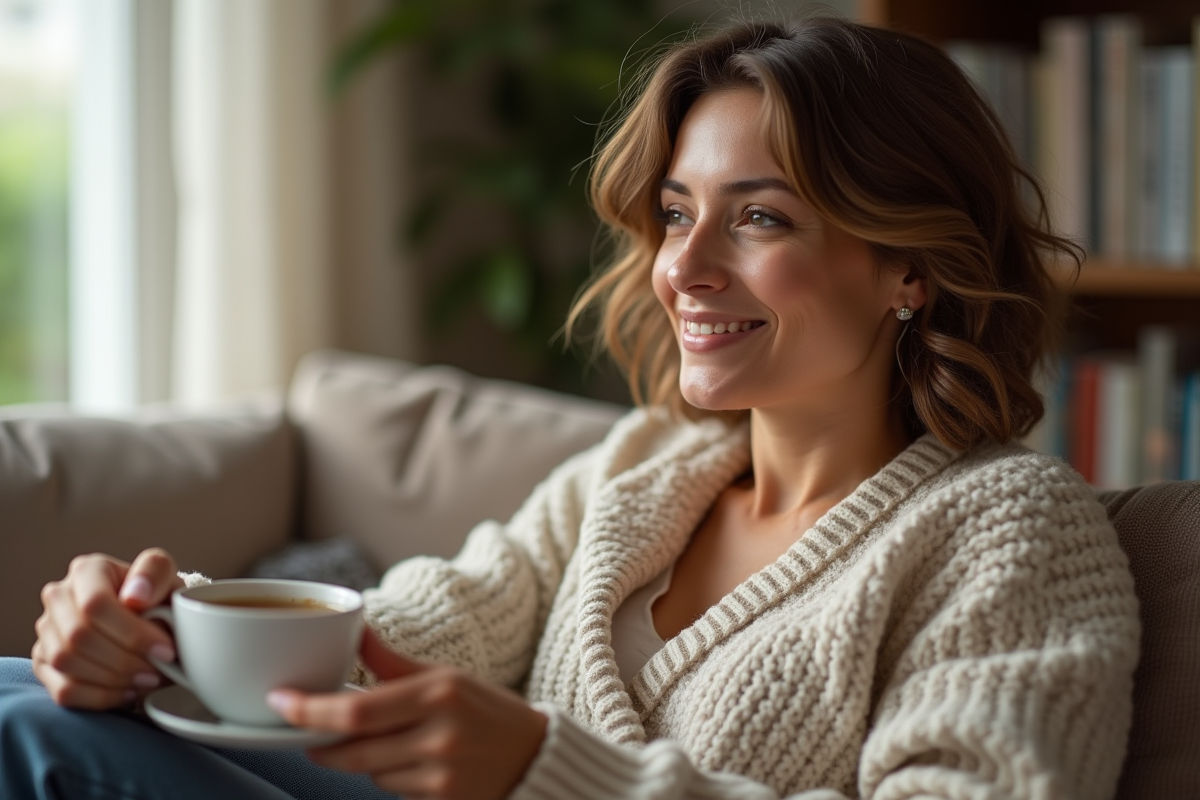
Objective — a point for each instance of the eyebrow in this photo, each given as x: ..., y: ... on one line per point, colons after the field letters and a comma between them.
x: 733, y: 188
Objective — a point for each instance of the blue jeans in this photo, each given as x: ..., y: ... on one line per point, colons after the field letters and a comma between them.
x: 51, y: 753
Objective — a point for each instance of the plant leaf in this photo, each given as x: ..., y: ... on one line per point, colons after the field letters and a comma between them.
x: 405, y: 22
x: 506, y: 289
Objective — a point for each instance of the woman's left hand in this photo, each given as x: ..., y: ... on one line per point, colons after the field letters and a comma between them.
x: 428, y: 731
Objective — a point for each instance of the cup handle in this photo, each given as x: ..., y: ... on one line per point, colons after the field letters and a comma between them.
x: 163, y: 614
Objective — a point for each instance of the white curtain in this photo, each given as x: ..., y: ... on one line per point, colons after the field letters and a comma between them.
x: 253, y: 288
x: 201, y: 219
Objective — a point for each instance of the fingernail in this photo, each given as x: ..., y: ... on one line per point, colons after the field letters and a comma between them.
x: 146, y: 680
x: 137, y: 588
x: 280, y: 701
x: 163, y: 652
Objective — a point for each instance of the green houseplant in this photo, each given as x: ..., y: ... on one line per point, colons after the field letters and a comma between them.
x: 550, y: 70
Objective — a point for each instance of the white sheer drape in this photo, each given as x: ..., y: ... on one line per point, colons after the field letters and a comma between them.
x: 254, y: 286
x: 201, y: 265
x: 122, y: 206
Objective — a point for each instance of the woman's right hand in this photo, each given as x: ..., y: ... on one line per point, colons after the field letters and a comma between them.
x: 92, y: 641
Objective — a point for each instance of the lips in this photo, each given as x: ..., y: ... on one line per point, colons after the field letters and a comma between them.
x: 702, y: 332
x: 710, y: 329
x: 715, y: 323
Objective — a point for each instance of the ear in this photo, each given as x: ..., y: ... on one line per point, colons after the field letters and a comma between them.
x: 909, y: 289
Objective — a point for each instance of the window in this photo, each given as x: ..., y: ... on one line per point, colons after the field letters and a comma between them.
x: 37, y: 68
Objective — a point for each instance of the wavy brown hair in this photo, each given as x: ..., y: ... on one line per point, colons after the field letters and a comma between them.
x: 883, y: 135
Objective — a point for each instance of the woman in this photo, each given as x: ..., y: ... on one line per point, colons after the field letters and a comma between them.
x: 812, y: 564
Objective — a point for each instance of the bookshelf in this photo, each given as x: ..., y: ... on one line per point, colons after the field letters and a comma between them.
x: 1117, y: 304
x: 1133, y: 279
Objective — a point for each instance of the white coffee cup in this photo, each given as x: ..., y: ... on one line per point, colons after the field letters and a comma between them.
x: 231, y: 656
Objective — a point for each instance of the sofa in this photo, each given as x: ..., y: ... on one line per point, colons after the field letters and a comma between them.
x: 367, y: 461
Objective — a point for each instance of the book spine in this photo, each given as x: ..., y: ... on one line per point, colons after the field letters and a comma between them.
x: 1014, y: 102
x: 1117, y: 424
x: 1189, y: 468
x: 1196, y: 142
x: 1156, y: 355
x: 1066, y: 51
x: 1084, y: 388
x: 1119, y: 40
x: 1151, y: 161
x: 1178, y: 144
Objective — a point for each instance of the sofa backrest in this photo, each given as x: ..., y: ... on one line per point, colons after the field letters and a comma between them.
x: 405, y: 460
x: 1159, y: 529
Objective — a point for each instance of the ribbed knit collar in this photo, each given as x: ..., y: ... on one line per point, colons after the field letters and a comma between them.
x: 642, y: 521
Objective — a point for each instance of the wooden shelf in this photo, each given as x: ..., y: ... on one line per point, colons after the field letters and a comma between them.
x: 1018, y: 21
x: 1113, y: 279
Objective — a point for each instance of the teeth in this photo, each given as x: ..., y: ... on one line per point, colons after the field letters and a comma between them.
x: 707, y: 329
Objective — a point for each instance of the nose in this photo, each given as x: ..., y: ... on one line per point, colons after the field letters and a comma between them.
x: 697, y: 268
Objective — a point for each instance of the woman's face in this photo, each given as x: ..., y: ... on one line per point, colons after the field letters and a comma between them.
x: 772, y: 306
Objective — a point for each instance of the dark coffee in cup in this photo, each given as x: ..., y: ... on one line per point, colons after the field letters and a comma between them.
x: 305, y: 604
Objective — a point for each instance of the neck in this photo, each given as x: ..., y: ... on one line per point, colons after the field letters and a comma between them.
x: 808, y: 463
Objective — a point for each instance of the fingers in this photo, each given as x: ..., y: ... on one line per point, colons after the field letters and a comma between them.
x: 84, y: 652
x: 382, y: 661
x: 74, y: 694
x: 357, y: 713
x: 391, y: 752
x: 97, y: 609
x: 364, y: 713
x: 437, y: 733
x: 150, y: 580
x: 91, y: 648
x: 410, y: 775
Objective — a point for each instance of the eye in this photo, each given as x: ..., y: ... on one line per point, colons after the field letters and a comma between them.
x: 754, y: 217
x: 673, y: 217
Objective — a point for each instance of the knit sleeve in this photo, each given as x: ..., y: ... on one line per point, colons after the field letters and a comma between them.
x: 483, y: 610
x: 1018, y: 683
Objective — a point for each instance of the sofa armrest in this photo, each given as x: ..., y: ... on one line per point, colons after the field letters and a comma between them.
x: 215, y: 490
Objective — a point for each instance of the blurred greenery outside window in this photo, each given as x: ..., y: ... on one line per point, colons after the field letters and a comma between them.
x: 36, y: 71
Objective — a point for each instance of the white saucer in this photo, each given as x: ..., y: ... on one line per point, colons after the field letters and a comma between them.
x: 177, y: 710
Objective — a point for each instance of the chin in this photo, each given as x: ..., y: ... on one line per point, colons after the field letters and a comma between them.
x: 709, y: 398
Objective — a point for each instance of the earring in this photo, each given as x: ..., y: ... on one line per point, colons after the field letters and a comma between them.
x: 904, y: 314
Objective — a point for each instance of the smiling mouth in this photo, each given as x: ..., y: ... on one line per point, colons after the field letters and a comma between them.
x: 710, y: 329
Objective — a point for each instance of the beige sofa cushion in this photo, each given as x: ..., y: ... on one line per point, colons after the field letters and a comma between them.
x: 1159, y: 528
x: 405, y: 460
x: 216, y: 491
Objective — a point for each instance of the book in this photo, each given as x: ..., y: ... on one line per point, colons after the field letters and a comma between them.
x: 1151, y: 163
x: 1157, y: 348
x: 1002, y: 75
x: 1081, y: 446
x: 1178, y: 150
x: 1196, y: 148
x: 1189, y: 467
x: 1118, y: 423
x: 1118, y: 83
x: 1049, y: 435
x: 1064, y: 146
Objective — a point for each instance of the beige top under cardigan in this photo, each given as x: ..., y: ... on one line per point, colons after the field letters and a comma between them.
x: 963, y: 625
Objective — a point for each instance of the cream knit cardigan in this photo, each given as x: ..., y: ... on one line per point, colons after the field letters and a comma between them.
x: 962, y: 626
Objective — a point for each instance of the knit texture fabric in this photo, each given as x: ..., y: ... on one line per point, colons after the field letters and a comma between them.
x: 963, y: 625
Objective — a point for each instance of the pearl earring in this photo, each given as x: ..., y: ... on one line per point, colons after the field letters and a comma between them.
x: 904, y: 314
